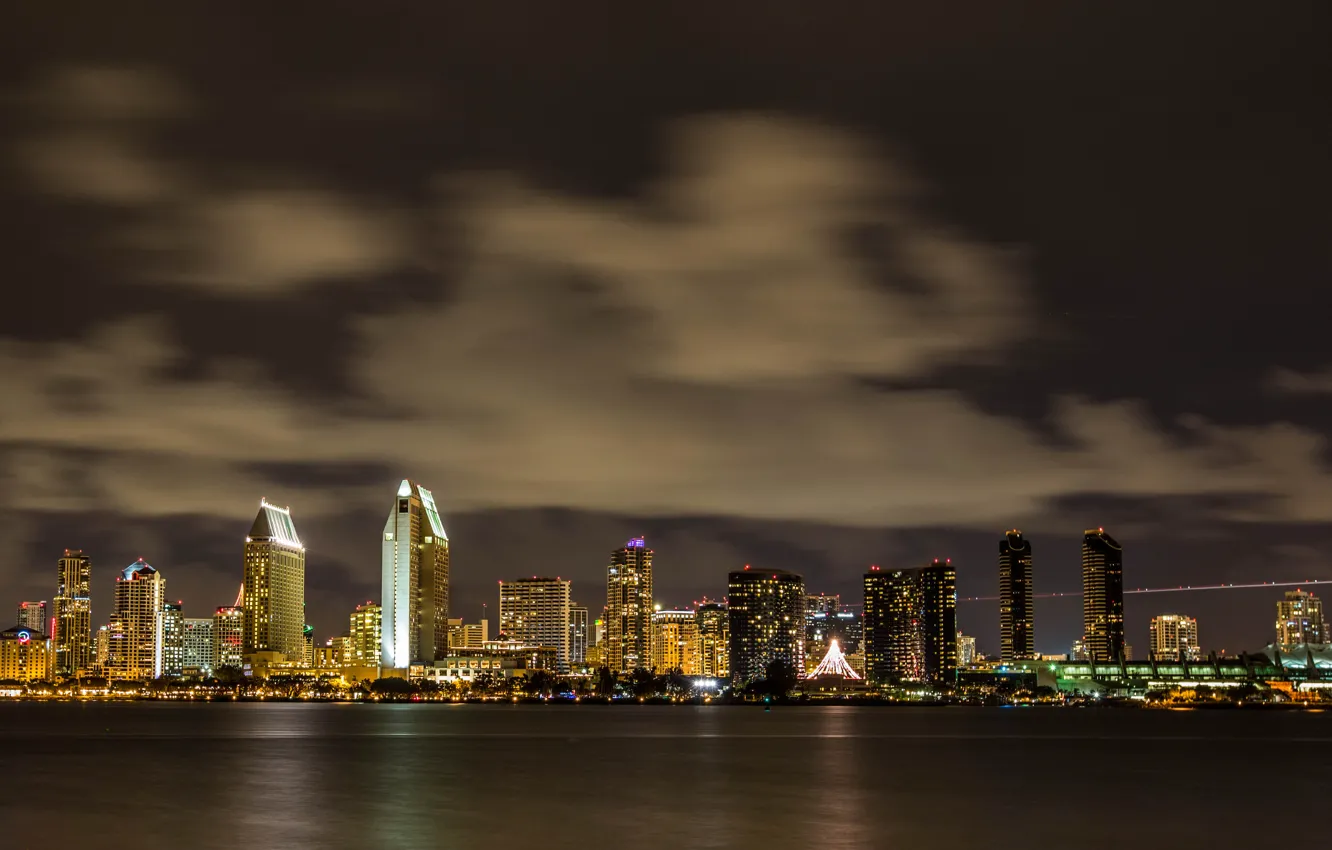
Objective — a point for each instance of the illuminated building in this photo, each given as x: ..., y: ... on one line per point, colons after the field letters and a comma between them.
x: 1300, y: 620
x: 26, y: 655
x: 627, y: 644
x: 364, y: 637
x: 414, y: 571
x: 675, y: 642
x: 535, y: 612
x: 714, y: 640
x: 1017, y: 613
x: 468, y: 635
x: 72, y: 614
x: 766, y: 621
x: 1174, y: 637
x: 197, y: 647
x: 834, y: 663
x: 1078, y: 651
x: 228, y: 637
x: 498, y: 661
x: 135, y: 639
x: 827, y: 620
x: 32, y: 616
x: 911, y: 624
x: 578, y: 630
x: 173, y: 640
x: 274, y: 613
x: 966, y: 650
x: 102, y: 648
x: 1102, y: 596
x: 341, y: 650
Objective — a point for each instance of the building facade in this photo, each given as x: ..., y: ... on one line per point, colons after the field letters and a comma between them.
x: 414, y: 573
x: 197, y: 647
x: 535, y: 612
x: 365, y: 636
x: 675, y: 643
x: 26, y: 655
x: 173, y: 639
x: 229, y: 637
x: 468, y: 635
x: 714, y: 640
x: 579, y: 626
x: 1300, y: 619
x: 72, y: 614
x: 627, y: 643
x: 1017, y: 611
x: 274, y: 613
x: 134, y: 633
x: 1102, y: 596
x: 32, y: 616
x: 911, y: 624
x: 766, y: 622
x: 966, y: 650
x: 1174, y: 637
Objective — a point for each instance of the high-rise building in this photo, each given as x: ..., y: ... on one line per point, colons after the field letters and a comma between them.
x: 102, y: 649
x: 1017, y: 612
x: 911, y: 624
x: 414, y: 570
x: 32, y: 616
x: 1102, y: 596
x: 26, y: 655
x: 72, y: 614
x: 1300, y: 619
x: 766, y: 620
x: 228, y: 637
x: 535, y: 612
x: 628, y: 622
x: 307, y: 656
x: 714, y: 640
x: 675, y: 644
x: 198, y: 646
x: 135, y: 638
x: 274, y: 591
x: 365, y: 636
x: 1174, y: 637
x: 966, y: 650
x: 468, y: 635
x: 173, y: 639
x: 938, y: 592
x: 578, y: 631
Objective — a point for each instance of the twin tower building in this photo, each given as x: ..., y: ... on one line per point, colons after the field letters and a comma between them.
x: 414, y: 576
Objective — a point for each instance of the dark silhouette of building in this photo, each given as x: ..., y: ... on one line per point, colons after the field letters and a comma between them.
x: 1017, y: 617
x: 910, y: 624
x: 766, y: 614
x: 1102, y: 596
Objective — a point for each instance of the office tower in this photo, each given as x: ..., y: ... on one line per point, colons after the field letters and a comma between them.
x: 173, y: 639
x: 26, y: 655
x: 414, y: 570
x: 1017, y: 612
x: 966, y: 650
x: 135, y: 639
x: 1300, y: 620
x: 1174, y: 637
x: 675, y: 642
x: 228, y: 637
x: 1102, y: 596
x: 467, y: 635
x: 198, y: 647
x: 71, y: 631
x: 578, y: 629
x: 714, y: 640
x: 535, y: 612
x: 365, y: 638
x: 274, y: 589
x: 628, y: 622
x: 32, y: 616
x: 766, y: 619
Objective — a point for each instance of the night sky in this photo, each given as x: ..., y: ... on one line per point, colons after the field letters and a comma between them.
x: 802, y: 291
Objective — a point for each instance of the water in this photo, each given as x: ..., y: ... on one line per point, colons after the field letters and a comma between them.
x: 258, y: 775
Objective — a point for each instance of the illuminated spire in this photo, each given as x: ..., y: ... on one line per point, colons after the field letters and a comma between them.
x: 834, y: 664
x: 240, y: 596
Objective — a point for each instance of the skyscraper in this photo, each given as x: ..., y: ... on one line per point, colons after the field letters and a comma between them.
x: 198, y: 646
x: 32, y: 616
x: 414, y: 571
x: 627, y: 644
x: 766, y: 620
x: 910, y: 624
x: 966, y: 650
x: 535, y: 612
x: 173, y: 639
x: 1300, y: 619
x: 1102, y: 596
x: 365, y: 636
x: 135, y: 639
x: 675, y: 644
x: 578, y: 633
x: 1174, y: 637
x: 228, y: 637
x: 714, y: 640
x: 1017, y: 614
x: 938, y: 596
x: 72, y: 614
x: 274, y: 614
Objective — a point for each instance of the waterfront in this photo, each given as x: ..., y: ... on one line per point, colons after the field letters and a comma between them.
x: 159, y: 775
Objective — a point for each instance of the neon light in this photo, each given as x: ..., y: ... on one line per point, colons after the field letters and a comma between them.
x: 636, y: 543
x: 24, y: 637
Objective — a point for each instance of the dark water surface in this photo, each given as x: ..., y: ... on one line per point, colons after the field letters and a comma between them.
x: 259, y: 775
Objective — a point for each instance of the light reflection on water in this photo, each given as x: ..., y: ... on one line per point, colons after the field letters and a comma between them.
x: 151, y: 776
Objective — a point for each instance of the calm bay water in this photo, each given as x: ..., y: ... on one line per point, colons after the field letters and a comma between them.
x: 259, y: 775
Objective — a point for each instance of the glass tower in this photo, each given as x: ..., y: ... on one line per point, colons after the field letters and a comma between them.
x: 1102, y: 596
x: 1017, y: 616
x: 274, y: 591
x: 414, y: 572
